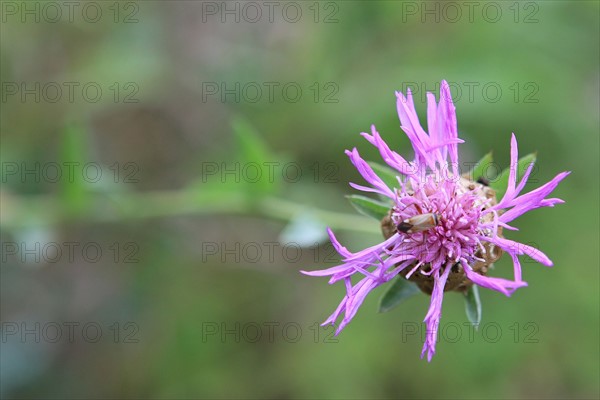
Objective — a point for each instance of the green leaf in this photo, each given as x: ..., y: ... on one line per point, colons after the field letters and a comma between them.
x: 369, y: 207
x: 500, y: 184
x: 255, y: 158
x: 305, y: 230
x: 479, y: 170
x: 74, y: 193
x: 400, y: 290
x: 252, y: 148
x: 473, y: 305
x: 387, y: 175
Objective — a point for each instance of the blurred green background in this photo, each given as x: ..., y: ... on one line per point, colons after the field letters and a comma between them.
x: 197, y: 292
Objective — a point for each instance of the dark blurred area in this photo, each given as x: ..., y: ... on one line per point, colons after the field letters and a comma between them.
x: 168, y: 168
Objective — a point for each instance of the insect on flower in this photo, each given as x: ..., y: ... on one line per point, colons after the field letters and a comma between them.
x: 419, y: 223
x: 483, y: 181
x: 455, y: 224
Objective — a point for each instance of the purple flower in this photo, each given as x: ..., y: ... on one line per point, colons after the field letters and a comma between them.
x: 443, y: 229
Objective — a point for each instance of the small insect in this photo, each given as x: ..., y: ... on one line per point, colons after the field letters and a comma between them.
x: 483, y: 181
x: 419, y: 223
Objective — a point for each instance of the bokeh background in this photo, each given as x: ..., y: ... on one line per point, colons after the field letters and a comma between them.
x: 196, y: 291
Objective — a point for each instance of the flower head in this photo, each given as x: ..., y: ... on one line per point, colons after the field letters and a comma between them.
x: 443, y: 230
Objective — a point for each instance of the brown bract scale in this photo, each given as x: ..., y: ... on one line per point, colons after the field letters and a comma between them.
x: 457, y: 280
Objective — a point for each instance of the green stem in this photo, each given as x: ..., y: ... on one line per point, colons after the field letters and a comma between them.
x: 285, y: 210
x: 31, y: 211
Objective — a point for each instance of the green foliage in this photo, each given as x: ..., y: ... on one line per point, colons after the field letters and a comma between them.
x: 473, y: 305
x: 369, y: 207
x: 500, y: 184
x: 387, y: 175
x: 254, y: 154
x: 74, y: 194
x: 480, y: 168
x: 400, y: 290
x: 251, y: 162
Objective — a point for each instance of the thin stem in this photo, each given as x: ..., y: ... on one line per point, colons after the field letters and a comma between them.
x: 43, y: 210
